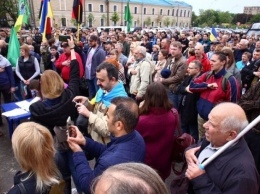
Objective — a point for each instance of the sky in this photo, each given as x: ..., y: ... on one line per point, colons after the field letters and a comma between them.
x: 233, y: 6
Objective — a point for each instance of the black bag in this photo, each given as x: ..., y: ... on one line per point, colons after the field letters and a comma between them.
x: 83, y: 87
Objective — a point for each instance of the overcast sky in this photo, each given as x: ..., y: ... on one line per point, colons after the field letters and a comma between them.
x: 233, y: 6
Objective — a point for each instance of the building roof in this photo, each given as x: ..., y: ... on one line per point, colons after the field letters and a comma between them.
x: 157, y: 2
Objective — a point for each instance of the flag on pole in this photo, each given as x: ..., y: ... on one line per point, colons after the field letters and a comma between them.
x: 24, y: 13
x: 213, y: 34
x: 45, y: 22
x: 13, y: 48
x: 128, y: 17
x: 77, y: 10
x: 40, y: 12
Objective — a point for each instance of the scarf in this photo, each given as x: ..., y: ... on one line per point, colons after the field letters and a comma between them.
x: 106, y: 98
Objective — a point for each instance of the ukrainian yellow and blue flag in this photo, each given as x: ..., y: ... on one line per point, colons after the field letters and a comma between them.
x: 213, y: 34
x: 24, y: 13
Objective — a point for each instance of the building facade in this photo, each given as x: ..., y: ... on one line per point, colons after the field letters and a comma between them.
x: 145, y: 13
x: 252, y: 10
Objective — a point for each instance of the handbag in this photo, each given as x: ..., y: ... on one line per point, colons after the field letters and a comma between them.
x: 180, y: 184
x: 180, y: 143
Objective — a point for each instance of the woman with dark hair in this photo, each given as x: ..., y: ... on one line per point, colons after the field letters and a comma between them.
x: 157, y: 124
x: 231, y: 63
x: 163, y: 54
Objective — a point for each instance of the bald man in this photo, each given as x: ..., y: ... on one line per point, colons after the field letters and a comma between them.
x: 234, y: 170
x: 202, y: 57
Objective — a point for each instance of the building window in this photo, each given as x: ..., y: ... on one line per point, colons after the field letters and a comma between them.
x: 181, y: 13
x: 152, y: 24
x: 144, y: 11
x: 90, y: 7
x: 173, y: 12
x: 102, y: 22
x: 153, y: 11
x: 177, y: 12
x: 63, y: 22
x: 184, y: 13
x: 115, y: 8
x: 161, y: 12
x: 168, y: 12
x: 135, y: 23
x: 114, y: 23
x: 188, y: 14
x: 135, y: 10
x: 101, y: 8
x: 160, y: 24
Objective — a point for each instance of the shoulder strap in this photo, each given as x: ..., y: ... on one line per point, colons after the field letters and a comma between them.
x: 22, y: 188
x: 208, y: 75
x: 225, y: 81
x: 175, y: 113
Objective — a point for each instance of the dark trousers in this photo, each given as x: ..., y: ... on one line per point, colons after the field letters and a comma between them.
x: 5, y: 91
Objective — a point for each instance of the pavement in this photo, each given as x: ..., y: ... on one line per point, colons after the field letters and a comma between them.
x: 9, y: 166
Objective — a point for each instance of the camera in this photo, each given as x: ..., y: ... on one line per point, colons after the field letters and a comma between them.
x: 64, y: 38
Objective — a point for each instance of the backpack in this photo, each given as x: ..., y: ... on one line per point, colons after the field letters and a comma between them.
x: 224, y: 80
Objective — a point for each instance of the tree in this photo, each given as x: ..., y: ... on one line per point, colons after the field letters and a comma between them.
x: 74, y: 21
x: 207, y: 17
x: 255, y: 18
x: 173, y: 22
x: 91, y: 19
x: 225, y: 17
x: 104, y: 17
x: 166, y: 21
x: 242, y: 18
x: 148, y: 21
x: 115, y: 17
x: 194, y: 19
x: 8, y: 10
x: 158, y: 19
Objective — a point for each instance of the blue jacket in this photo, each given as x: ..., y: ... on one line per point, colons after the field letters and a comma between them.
x: 127, y: 148
x: 98, y: 57
x: 233, y: 172
x: 7, y: 76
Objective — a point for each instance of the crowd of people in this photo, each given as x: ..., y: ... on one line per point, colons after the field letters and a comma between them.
x: 122, y: 90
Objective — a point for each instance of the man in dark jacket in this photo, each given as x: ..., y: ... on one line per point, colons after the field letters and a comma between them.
x: 187, y: 108
x: 126, y: 144
x: 234, y: 170
x: 95, y: 56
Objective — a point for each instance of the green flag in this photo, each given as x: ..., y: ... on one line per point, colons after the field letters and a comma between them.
x: 23, y: 16
x: 128, y: 17
x: 13, y: 48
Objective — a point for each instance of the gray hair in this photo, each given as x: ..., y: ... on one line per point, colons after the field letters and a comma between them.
x: 144, y: 180
x: 245, y: 41
x: 233, y: 123
x: 142, y: 50
x: 120, y: 45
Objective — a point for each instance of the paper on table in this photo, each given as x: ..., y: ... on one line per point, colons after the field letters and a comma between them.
x: 14, y: 112
x: 25, y: 104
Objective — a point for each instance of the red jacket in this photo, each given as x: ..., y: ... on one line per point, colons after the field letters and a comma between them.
x: 205, y: 62
x: 157, y: 129
x: 65, y: 70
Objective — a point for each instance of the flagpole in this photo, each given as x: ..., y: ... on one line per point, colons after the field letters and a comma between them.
x: 78, y: 24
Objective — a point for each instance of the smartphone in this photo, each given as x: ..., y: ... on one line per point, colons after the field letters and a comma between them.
x: 64, y: 38
x: 69, y: 123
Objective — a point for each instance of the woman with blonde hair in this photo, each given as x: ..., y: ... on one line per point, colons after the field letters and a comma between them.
x: 54, y: 110
x: 27, y: 69
x: 34, y: 151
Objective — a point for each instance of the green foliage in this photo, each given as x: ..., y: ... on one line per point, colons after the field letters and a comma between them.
x: 9, y: 8
x: 91, y: 19
x: 158, y: 19
x: 166, y: 21
x: 148, y: 21
x: 115, y: 17
x: 255, y: 18
x: 173, y: 22
x: 74, y: 21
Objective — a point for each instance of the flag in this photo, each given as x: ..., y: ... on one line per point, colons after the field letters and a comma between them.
x: 40, y: 11
x: 24, y: 13
x: 213, y: 34
x: 77, y: 11
x: 13, y: 48
x: 45, y: 22
x: 128, y: 17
